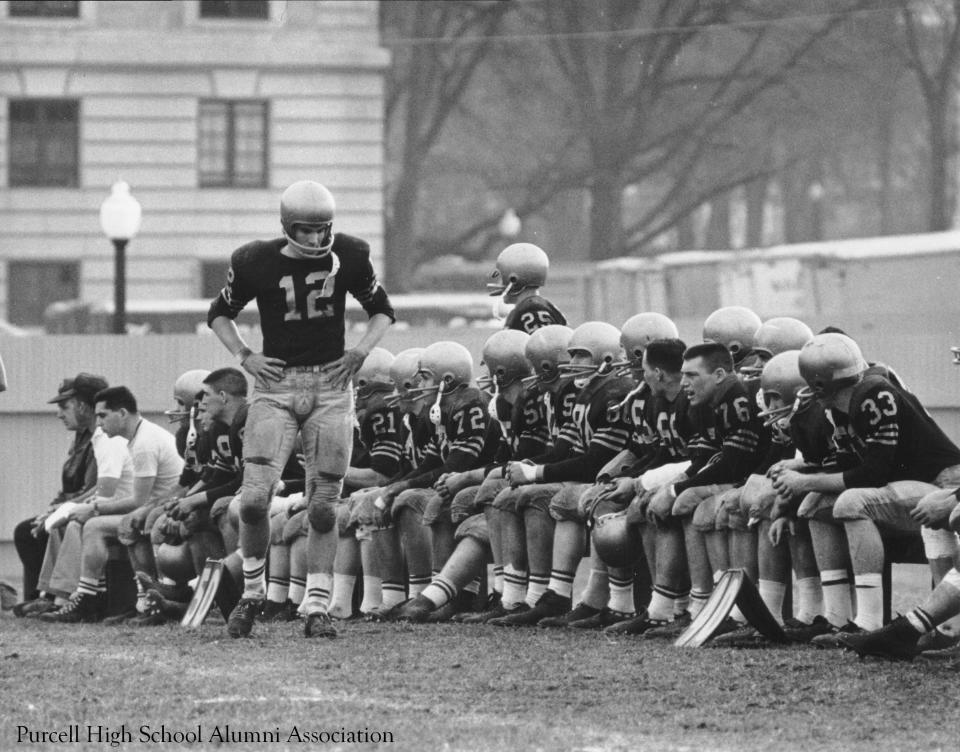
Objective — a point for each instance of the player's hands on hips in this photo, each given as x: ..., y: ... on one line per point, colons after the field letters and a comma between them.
x: 262, y: 368
x: 341, y: 370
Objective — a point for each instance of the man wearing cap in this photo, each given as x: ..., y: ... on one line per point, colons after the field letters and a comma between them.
x: 75, y: 408
x: 156, y: 473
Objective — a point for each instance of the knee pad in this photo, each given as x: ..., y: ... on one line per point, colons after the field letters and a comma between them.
x: 322, y: 516
x: 253, y: 507
x: 850, y: 505
x: 705, y: 515
x: 939, y: 544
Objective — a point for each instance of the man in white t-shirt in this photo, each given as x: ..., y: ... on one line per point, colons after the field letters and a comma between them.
x: 114, y: 483
x: 156, y: 474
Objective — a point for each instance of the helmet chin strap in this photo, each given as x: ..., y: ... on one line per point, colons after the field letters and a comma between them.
x: 436, y: 417
x: 308, y: 252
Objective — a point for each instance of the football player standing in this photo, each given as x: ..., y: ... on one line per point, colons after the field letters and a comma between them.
x: 302, y: 380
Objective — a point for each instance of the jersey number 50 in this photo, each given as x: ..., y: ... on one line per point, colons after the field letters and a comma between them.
x: 319, y: 288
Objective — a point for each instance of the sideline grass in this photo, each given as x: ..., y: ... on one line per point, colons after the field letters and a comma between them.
x: 437, y: 687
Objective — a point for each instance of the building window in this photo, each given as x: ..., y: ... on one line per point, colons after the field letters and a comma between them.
x: 257, y: 9
x: 44, y: 8
x: 232, y: 146
x: 213, y: 276
x: 43, y: 142
x: 34, y: 285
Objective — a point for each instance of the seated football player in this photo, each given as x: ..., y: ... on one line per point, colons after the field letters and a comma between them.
x: 595, y: 433
x: 458, y: 417
x: 381, y: 553
x: 732, y: 433
x: 518, y: 418
x: 665, y: 428
x: 187, y: 521
x: 601, y: 606
x: 902, y: 456
x: 380, y: 439
x: 521, y: 270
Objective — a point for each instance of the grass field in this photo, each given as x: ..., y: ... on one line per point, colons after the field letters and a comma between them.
x: 454, y: 687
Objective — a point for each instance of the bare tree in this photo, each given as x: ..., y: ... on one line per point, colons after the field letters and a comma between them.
x: 931, y: 35
x: 437, y: 47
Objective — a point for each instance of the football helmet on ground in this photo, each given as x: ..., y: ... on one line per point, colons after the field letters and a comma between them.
x: 519, y: 266
x: 308, y: 203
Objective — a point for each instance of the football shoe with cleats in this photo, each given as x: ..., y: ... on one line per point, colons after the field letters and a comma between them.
x: 319, y: 624
x: 935, y: 641
x: 461, y: 603
x: 549, y: 604
x: 605, y: 617
x: 240, y: 621
x: 580, y: 611
x: 835, y: 638
x: 82, y: 607
x: 35, y: 607
x: 275, y: 611
x: 469, y: 617
x: 798, y: 631
x: 416, y: 610
x: 897, y: 641
x: 670, y: 630
x: 635, y: 625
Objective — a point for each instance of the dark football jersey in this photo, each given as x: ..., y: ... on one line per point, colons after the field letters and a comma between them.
x: 524, y: 431
x: 892, y: 435
x: 381, y: 432
x: 735, y: 433
x: 532, y: 313
x: 669, y: 426
x: 301, y: 301
x: 597, y: 425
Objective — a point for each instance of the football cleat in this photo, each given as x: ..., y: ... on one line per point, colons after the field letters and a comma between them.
x: 604, y: 618
x: 35, y: 607
x: 275, y: 611
x: 122, y: 618
x: 580, y: 611
x: 936, y: 641
x: 671, y: 629
x: 743, y: 637
x: 82, y: 607
x: 896, y: 642
x: 635, y: 625
x: 8, y: 597
x: 836, y: 636
x: 798, y: 631
x: 549, y: 604
x: 240, y: 622
x: 318, y: 624
x: 462, y: 603
x: 415, y: 610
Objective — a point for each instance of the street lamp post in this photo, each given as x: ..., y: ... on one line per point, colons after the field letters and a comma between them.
x: 120, y: 220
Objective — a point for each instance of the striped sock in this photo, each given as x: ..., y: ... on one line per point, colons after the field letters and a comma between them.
x: 698, y: 599
x: 416, y: 584
x: 773, y: 593
x: 561, y: 582
x: 662, y: 602
x: 278, y: 588
x: 869, y: 600
x: 318, y: 592
x: 920, y: 620
x: 514, y: 587
x: 621, y: 595
x: 254, y: 577
x: 536, y: 586
x: 809, y: 603
x: 440, y: 591
x: 393, y: 593
x: 498, y: 578
x: 837, y: 608
x: 341, y: 602
x: 298, y: 588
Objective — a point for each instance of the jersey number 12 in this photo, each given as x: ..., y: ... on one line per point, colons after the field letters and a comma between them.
x: 319, y: 287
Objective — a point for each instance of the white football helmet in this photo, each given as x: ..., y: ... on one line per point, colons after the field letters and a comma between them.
x: 403, y: 374
x: 504, y: 356
x: 733, y: 326
x: 639, y: 331
x: 546, y: 349
x: 830, y: 362
x: 188, y: 385
x: 781, y: 378
x: 601, y: 341
x: 374, y: 374
x: 308, y: 203
x: 445, y: 363
x: 780, y: 334
x: 519, y: 266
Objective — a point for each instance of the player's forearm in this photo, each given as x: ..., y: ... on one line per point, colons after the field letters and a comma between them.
x: 376, y: 328
x: 364, y: 477
x: 228, y: 333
